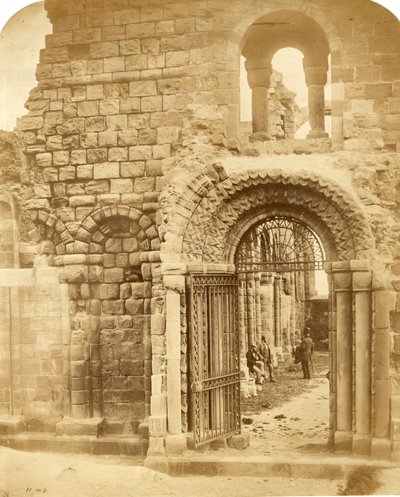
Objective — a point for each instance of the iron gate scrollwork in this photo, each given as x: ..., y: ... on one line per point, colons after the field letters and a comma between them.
x: 214, y: 357
x: 279, y: 244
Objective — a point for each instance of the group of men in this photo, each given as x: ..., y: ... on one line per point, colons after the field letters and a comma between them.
x: 260, y: 358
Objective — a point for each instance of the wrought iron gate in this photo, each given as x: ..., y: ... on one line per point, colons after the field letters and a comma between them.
x: 214, y: 357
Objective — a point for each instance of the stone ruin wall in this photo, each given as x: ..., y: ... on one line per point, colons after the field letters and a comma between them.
x: 128, y: 93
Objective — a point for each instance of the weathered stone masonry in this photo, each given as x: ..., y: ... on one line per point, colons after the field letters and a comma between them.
x: 134, y: 176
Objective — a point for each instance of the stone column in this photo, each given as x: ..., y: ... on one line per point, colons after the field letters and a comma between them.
x: 383, y: 304
x: 333, y: 355
x: 277, y: 312
x: 316, y: 78
x: 259, y: 77
x: 259, y: 329
x: 344, y: 374
x: 242, y: 315
x: 251, y: 308
x: 174, y: 285
x: 363, y: 317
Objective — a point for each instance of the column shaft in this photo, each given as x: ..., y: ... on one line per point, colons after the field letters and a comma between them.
x: 173, y: 333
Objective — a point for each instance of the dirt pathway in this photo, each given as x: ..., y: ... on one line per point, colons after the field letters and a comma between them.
x: 301, y: 421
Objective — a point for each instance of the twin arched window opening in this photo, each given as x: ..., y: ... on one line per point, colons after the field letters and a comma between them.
x: 263, y: 39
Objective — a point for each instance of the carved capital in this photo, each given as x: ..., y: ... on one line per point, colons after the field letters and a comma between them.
x: 175, y: 283
x: 342, y: 281
x: 362, y: 281
x: 316, y: 75
x: 258, y: 73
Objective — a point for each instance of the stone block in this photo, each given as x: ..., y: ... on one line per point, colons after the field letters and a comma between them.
x: 142, y: 88
x: 78, y: 157
x: 89, y: 108
x: 134, y: 306
x: 380, y: 448
x: 177, y: 59
x: 161, y: 151
x: 114, y: 64
x: 66, y: 173
x: 44, y: 159
x: 175, y: 445
x: 87, y: 35
x: 109, y: 106
x: 126, y: 16
x: 60, y: 158
x: 127, y: 138
x: 108, y: 139
x: 113, y: 275
x: 84, y: 172
x: 378, y: 90
x: 157, y: 426
x: 112, y: 33
x: 131, y: 368
x: 140, y: 153
x: 130, y: 105
x: 130, y: 47
x: 157, y: 324
x: 117, y: 154
x: 88, y: 427
x: 121, y: 186
x: 151, y: 104
x: 240, y: 442
x: 132, y: 169
x: 147, y: 136
x: 142, y: 185
x: 104, y: 49
x: 11, y: 425
x: 106, y: 170
x: 88, y: 140
x: 95, y: 124
x: 117, y: 123
x: 95, y: 155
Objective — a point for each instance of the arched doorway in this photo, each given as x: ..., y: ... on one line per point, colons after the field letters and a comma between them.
x: 204, y: 238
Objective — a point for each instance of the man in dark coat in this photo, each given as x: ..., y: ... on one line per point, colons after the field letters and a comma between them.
x: 265, y: 352
x: 305, y: 353
x: 254, y: 363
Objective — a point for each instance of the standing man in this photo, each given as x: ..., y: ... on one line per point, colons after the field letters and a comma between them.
x: 265, y: 352
x: 306, y: 350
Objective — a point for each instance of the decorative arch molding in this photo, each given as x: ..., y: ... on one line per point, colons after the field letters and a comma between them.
x: 106, y: 221
x: 206, y: 230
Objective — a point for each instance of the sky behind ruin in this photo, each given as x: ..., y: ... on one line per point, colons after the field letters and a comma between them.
x: 23, y: 36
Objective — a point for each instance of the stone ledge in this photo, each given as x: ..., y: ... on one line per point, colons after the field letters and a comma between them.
x: 11, y: 425
x: 90, y: 427
x: 320, y: 467
x: 43, y: 442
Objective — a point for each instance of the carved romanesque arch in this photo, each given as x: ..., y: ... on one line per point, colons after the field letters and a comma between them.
x: 206, y: 230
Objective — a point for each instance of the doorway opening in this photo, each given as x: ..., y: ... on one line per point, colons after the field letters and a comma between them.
x: 283, y: 291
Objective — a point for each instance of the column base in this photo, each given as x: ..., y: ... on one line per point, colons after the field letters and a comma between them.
x: 11, y: 425
x: 381, y: 448
x: 156, y: 447
x: 343, y: 440
x: 175, y: 445
x: 361, y: 445
x: 317, y: 133
x: 91, y: 427
x: 260, y: 136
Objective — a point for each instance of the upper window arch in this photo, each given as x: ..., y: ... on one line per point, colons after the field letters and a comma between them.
x: 262, y: 40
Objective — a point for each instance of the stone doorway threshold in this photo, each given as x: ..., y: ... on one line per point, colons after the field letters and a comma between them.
x: 286, y: 441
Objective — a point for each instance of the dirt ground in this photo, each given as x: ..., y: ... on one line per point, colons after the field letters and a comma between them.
x: 292, y: 413
x: 293, y: 426
x: 27, y: 474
